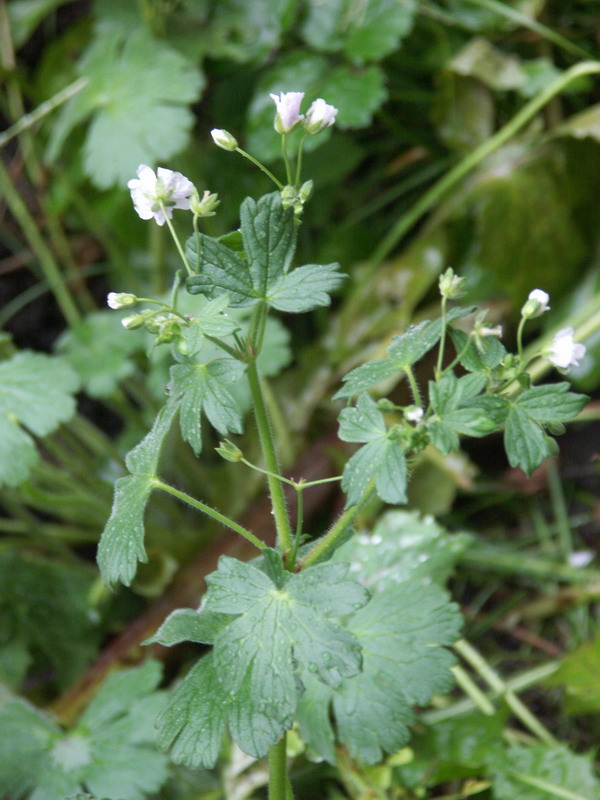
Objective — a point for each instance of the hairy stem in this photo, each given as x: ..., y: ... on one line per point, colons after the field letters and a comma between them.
x: 210, y: 512
x: 282, y: 522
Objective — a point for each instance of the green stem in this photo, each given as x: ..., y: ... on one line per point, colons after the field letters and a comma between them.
x: 224, y: 346
x: 457, y: 358
x: 210, y: 512
x: 470, y: 688
x: 475, y: 157
x: 414, y: 388
x: 282, y: 523
x: 286, y: 161
x: 520, y: 329
x: 527, y: 22
x: 262, y: 167
x: 440, y: 360
x: 299, y: 160
x: 268, y: 473
x: 45, y: 108
x: 337, y: 530
x: 48, y: 265
x: 559, y: 507
x: 551, y: 789
x: 292, y: 555
x: 522, y: 564
x: 494, y: 681
x: 278, y: 770
x: 180, y: 249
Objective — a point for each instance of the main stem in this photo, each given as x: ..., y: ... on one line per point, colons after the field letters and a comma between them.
x: 278, y: 779
x: 282, y: 522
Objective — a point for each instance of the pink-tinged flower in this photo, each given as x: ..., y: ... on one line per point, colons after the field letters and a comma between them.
x: 564, y: 352
x: 288, y: 114
x: 536, y: 305
x: 150, y: 192
x: 319, y: 116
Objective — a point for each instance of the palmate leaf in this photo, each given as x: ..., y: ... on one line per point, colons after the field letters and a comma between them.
x: 403, y: 632
x: 137, y: 95
x: 382, y: 457
x: 404, y: 351
x: 269, y: 241
x: 110, y: 752
x: 23, y: 408
x: 203, y: 389
x: 525, y: 440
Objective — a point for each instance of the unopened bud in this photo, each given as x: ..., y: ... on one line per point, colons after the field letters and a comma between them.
x: 305, y: 191
x: 224, y: 139
x: 206, y: 206
x: 229, y: 451
x: 133, y: 322
x: 413, y: 413
x: 536, y: 304
x: 451, y: 286
x: 118, y: 300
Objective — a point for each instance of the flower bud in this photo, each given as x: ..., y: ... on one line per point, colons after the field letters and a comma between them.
x: 536, y: 304
x: 229, y: 451
x: 224, y: 139
x: 133, y: 322
x: 206, y: 206
x: 305, y: 191
x: 319, y: 116
x: 118, y: 300
x: 288, y: 115
x: 383, y: 404
x: 451, y: 286
x: 413, y: 413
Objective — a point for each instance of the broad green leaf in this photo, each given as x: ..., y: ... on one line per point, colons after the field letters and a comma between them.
x: 186, y: 625
x: 551, y: 403
x: 122, y: 541
x: 111, y: 750
x: 363, y: 422
x: 137, y: 97
x: 361, y: 468
x: 193, y: 723
x: 481, y: 60
x: 25, y: 15
x: 306, y: 288
x: 269, y: 240
x: 377, y: 29
x: 25, y: 407
x: 203, y: 389
x: 358, y: 92
x: 211, y: 320
x: 458, y: 410
x: 391, y: 476
x: 45, y: 610
x: 584, y: 125
x: 366, y: 375
x: 221, y: 270
x: 541, y: 772
x: 100, y: 351
x: 525, y: 442
x: 280, y: 627
x: 404, y: 662
x: 403, y: 546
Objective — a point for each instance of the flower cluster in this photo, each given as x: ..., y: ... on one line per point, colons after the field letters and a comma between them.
x: 319, y: 116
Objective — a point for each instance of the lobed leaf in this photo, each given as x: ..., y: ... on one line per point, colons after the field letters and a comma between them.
x: 306, y: 288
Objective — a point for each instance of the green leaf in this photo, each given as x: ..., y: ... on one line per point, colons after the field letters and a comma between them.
x: 24, y: 406
x: 126, y: 73
x: 458, y: 410
x: 404, y: 662
x: 306, y: 288
x: 579, y: 674
x: 269, y: 240
x: 403, y: 546
x: 221, y: 270
x: 279, y: 627
x: 111, y: 751
x: 381, y: 458
x: 122, y: 541
x: 358, y: 92
x: 484, y: 358
x: 100, y: 351
x: 211, y: 320
x: 203, y: 388
x: 481, y: 60
x: 25, y: 15
x: 378, y: 29
x: 525, y: 442
x: 193, y: 723
x: 404, y: 351
x: 551, y: 403
x: 541, y: 772
x: 186, y: 625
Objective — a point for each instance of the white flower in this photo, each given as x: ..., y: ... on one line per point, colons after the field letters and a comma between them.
x: 537, y: 303
x: 150, y: 190
x: 486, y: 330
x: 118, y: 300
x: 581, y: 558
x: 320, y: 116
x: 288, y: 110
x: 414, y: 413
x: 223, y: 139
x: 564, y: 352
